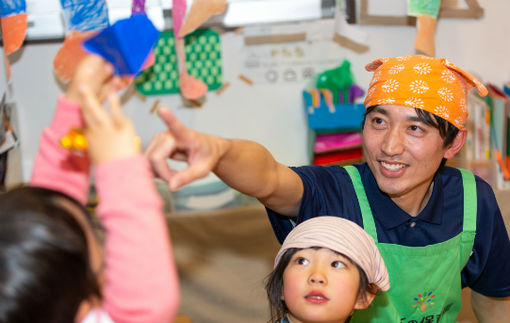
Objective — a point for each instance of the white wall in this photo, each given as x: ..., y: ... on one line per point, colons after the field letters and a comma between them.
x: 272, y: 115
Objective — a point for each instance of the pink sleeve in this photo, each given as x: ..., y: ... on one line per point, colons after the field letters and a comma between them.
x: 56, y: 167
x: 141, y: 278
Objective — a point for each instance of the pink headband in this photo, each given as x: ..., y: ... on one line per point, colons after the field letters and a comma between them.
x: 342, y: 236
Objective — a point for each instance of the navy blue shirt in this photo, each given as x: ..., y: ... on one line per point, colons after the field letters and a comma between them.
x: 329, y: 191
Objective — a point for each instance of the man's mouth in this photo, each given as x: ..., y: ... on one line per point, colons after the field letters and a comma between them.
x: 392, y: 166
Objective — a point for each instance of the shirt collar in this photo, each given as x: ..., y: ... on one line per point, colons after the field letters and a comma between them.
x: 390, y: 215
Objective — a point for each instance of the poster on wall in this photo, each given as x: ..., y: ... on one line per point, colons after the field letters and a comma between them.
x: 291, y: 53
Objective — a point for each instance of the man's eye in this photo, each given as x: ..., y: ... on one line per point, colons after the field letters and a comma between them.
x: 415, y: 128
x: 302, y: 261
x: 337, y: 264
x: 378, y: 122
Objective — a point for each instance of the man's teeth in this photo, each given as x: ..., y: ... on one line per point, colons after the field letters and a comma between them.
x: 317, y: 297
x: 392, y: 166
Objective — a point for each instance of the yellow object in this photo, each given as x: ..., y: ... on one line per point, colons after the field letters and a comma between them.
x: 66, y: 142
x: 138, y: 143
x: 79, y: 142
x: 75, y: 140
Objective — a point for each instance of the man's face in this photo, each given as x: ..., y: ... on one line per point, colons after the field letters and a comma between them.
x: 402, y: 152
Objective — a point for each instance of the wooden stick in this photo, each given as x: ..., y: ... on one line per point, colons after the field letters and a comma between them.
x: 222, y: 88
x: 155, y: 106
x: 245, y: 79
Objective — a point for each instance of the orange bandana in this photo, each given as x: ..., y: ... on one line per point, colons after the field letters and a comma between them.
x: 433, y: 84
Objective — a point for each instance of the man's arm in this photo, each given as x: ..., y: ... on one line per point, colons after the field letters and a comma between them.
x: 243, y: 165
x: 490, y: 309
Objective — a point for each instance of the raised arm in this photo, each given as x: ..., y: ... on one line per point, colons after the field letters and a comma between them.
x: 141, y: 278
x: 243, y: 165
x: 56, y: 167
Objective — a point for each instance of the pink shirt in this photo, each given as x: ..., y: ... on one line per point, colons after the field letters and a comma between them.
x: 141, y: 277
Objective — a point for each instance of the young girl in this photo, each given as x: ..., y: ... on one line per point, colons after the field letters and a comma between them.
x: 53, y: 267
x: 326, y: 268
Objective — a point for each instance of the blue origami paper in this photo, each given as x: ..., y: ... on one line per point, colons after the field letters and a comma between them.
x: 126, y: 44
x: 12, y: 7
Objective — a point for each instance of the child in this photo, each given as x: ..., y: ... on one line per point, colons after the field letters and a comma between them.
x: 326, y: 268
x: 53, y: 265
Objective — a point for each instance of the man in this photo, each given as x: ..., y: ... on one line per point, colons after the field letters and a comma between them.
x: 438, y: 228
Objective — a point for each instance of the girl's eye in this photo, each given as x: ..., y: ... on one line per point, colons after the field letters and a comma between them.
x: 337, y: 264
x: 302, y: 261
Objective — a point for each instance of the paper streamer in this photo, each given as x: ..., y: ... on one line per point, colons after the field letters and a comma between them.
x: 85, y: 15
x: 14, y: 26
x: 138, y: 6
x: 82, y: 19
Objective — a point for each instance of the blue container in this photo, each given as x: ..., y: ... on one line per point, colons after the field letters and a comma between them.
x: 322, y: 117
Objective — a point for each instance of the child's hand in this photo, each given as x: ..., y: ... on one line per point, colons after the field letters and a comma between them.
x: 110, y: 135
x: 96, y: 74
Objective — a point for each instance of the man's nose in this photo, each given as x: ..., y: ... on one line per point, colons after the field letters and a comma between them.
x: 393, y: 142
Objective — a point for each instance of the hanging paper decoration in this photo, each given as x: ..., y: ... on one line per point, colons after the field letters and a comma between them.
x: 82, y: 18
x: 203, y: 61
x: 85, y: 15
x: 126, y: 44
x: 138, y: 6
x: 191, y: 88
x: 13, y: 19
x: 200, y: 11
x: 426, y: 12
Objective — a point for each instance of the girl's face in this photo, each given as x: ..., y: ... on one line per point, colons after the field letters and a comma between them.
x: 320, y: 285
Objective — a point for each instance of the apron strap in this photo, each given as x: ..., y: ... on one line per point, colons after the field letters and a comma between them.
x: 366, y: 211
x: 470, y: 200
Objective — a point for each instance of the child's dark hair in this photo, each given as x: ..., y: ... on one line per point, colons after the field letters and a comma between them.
x: 274, y: 285
x: 447, y: 131
x: 45, y: 270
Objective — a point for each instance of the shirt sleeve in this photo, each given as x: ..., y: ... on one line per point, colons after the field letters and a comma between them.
x: 488, y: 269
x: 141, y: 277
x: 56, y: 167
x: 326, y: 191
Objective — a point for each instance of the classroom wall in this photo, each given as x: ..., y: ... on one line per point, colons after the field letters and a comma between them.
x: 271, y: 114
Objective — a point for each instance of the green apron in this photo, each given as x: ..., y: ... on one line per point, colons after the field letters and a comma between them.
x: 425, y: 281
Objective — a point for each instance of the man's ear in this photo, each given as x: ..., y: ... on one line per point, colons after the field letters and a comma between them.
x: 456, y: 145
x: 364, y: 302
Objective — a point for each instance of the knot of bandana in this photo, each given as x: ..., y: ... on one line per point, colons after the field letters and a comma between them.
x: 432, y: 84
x: 343, y: 236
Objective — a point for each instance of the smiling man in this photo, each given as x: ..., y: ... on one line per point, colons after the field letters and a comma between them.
x: 438, y: 228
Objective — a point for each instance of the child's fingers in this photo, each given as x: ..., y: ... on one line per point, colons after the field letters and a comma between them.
x: 92, y: 109
x: 118, y: 117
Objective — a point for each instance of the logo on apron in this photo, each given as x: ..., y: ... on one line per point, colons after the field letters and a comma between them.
x: 424, y: 302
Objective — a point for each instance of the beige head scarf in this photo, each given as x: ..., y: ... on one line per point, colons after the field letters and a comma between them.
x: 342, y: 236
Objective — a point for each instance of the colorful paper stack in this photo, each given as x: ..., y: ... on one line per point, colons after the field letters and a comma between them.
x: 334, y: 129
